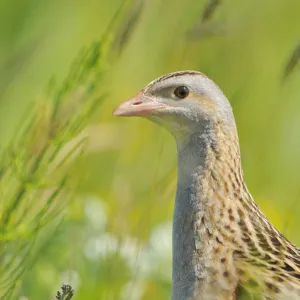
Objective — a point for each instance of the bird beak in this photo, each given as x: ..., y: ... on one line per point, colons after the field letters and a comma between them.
x: 137, y: 106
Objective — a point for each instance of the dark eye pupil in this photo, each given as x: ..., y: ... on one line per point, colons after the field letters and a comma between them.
x: 181, y: 92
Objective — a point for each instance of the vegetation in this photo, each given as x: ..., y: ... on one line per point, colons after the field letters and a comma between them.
x: 86, y: 199
x: 66, y: 293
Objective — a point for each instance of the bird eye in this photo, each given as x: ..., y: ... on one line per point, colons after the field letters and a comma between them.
x: 182, y: 92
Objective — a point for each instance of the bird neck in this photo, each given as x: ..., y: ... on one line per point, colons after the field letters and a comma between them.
x: 203, y: 161
x: 218, y: 230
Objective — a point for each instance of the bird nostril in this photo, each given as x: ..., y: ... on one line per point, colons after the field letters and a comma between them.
x: 137, y: 102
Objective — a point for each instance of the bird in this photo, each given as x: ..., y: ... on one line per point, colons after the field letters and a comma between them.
x: 223, y: 246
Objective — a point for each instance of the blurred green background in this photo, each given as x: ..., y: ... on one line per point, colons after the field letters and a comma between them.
x: 115, y: 242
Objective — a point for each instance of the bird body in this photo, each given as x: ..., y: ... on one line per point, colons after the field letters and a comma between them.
x: 223, y: 245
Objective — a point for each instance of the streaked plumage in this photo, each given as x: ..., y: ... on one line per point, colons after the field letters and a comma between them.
x: 223, y: 245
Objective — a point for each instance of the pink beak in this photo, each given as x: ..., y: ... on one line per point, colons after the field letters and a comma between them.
x: 137, y: 106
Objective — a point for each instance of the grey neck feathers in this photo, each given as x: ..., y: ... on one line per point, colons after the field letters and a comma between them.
x: 192, y: 159
x: 198, y: 157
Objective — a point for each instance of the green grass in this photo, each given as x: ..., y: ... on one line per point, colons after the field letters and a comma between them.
x: 86, y: 199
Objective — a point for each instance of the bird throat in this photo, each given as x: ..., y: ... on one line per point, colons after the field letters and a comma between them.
x: 202, y: 194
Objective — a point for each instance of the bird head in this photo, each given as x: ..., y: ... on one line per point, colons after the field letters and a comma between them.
x: 183, y: 102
